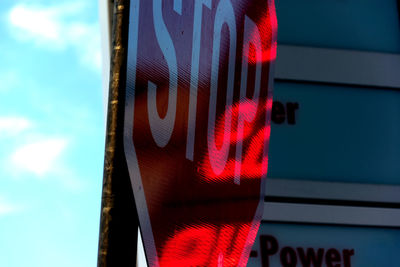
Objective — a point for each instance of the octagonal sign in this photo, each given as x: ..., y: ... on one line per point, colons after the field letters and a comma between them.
x: 197, y: 126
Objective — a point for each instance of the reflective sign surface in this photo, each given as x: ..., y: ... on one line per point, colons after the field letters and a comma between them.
x: 197, y: 126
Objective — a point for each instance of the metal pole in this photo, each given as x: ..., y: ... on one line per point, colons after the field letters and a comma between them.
x: 119, y: 222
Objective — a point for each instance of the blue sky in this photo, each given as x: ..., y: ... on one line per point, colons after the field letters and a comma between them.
x: 51, y: 133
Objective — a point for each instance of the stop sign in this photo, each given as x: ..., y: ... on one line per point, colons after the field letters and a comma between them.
x: 197, y: 125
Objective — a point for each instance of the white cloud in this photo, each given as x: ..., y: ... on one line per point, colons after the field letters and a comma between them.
x: 38, y: 23
x: 12, y: 126
x: 39, y: 157
x: 28, y: 152
x: 7, y: 208
x: 58, y: 27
